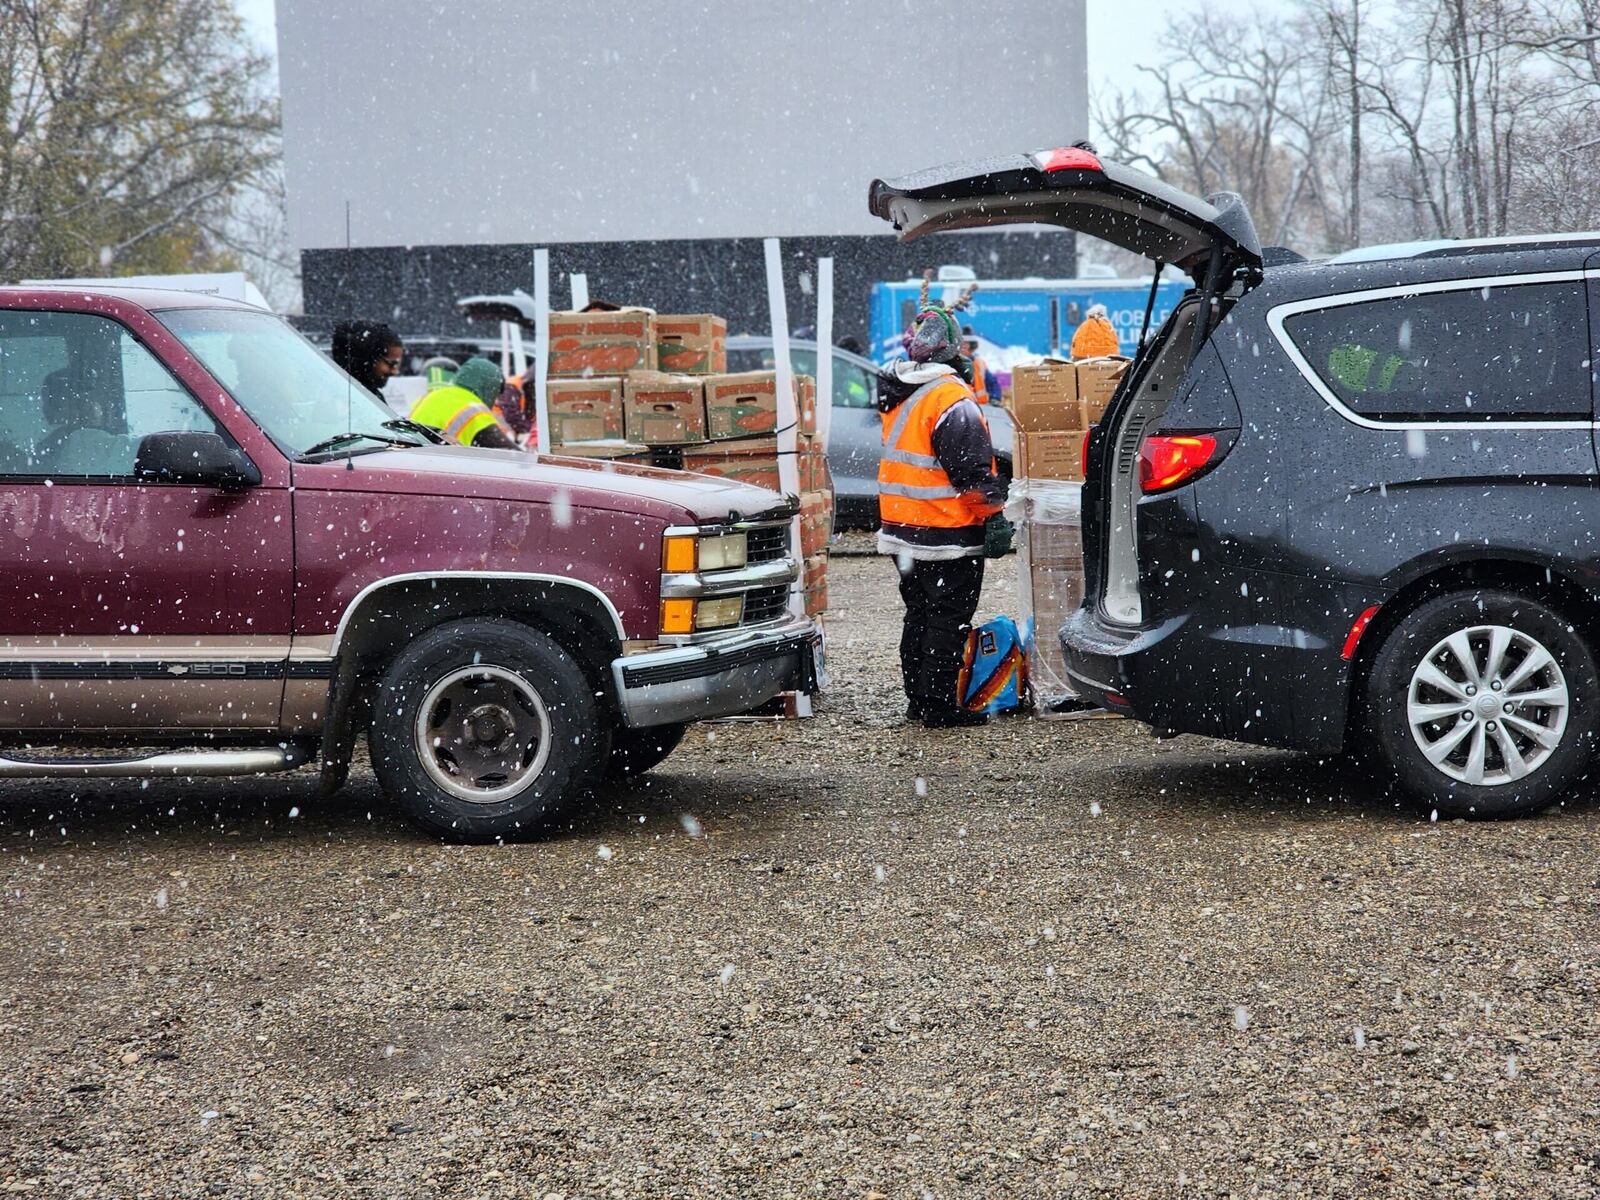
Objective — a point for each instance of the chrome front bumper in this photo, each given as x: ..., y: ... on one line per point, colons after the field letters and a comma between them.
x: 717, y: 677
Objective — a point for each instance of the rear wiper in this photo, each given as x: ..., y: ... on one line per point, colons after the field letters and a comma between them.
x: 345, y: 439
x: 407, y: 425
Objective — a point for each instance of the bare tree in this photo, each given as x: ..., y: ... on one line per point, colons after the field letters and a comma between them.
x: 129, y: 132
x: 1416, y: 118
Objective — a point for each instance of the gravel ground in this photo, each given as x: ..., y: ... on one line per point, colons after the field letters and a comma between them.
x: 836, y: 958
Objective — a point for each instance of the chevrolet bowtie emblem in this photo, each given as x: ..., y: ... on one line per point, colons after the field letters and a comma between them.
x: 177, y: 669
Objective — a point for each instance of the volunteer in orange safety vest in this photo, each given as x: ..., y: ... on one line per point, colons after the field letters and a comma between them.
x: 984, y: 387
x: 937, y: 489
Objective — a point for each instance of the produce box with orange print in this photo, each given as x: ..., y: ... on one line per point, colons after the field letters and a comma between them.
x: 814, y: 473
x: 741, y: 405
x: 602, y: 343
x: 816, y: 522
x: 691, y: 343
x: 815, y: 582
x: 806, y: 402
x: 662, y: 409
x: 585, y: 410
x: 754, y: 462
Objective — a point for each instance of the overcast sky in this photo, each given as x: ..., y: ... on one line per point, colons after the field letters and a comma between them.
x: 1122, y: 35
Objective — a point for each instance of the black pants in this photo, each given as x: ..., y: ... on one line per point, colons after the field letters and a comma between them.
x: 940, y: 598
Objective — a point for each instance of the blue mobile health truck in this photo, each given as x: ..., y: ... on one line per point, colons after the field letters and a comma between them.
x: 1016, y: 320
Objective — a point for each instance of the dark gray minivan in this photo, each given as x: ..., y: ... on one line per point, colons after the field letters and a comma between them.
x: 1347, y: 506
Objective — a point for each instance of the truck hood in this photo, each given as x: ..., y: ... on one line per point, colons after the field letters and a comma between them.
x: 516, y: 475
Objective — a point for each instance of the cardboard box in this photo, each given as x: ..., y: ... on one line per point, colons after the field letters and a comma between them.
x: 601, y: 343
x: 754, y: 462
x: 618, y: 448
x: 815, y: 582
x: 691, y: 343
x: 1057, y: 455
x: 1097, y: 382
x: 816, y: 522
x: 806, y: 403
x: 1044, y: 397
x: 814, y: 473
x: 741, y: 405
x: 585, y: 410
x: 663, y: 410
x: 1050, y: 551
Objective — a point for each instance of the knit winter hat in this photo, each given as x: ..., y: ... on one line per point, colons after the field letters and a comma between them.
x: 935, y: 334
x: 480, y: 377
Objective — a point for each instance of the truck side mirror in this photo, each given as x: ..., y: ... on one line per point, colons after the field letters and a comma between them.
x: 193, y: 458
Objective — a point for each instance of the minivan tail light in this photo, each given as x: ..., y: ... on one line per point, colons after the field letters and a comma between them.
x: 1067, y: 158
x: 1170, y: 460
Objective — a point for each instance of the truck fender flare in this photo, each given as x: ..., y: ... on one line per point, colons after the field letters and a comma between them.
x: 378, y: 585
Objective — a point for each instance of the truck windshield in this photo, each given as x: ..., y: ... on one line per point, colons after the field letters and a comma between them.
x: 297, y: 396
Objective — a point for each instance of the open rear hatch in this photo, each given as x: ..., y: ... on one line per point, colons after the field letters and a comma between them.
x: 1076, y: 189
x: 1212, y: 239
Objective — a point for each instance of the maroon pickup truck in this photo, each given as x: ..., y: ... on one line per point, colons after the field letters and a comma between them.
x: 222, y: 557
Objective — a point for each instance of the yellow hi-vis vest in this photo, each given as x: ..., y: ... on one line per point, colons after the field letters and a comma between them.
x: 454, y: 412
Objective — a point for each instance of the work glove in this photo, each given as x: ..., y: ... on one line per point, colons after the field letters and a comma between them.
x: 997, y: 535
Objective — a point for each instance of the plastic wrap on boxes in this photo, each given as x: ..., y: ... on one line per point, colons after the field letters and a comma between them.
x: 1047, y: 514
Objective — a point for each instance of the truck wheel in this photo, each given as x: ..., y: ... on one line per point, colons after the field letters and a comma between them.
x: 1483, y: 704
x: 635, y: 751
x: 484, y: 729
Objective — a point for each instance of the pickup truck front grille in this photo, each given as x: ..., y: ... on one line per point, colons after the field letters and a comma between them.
x: 766, y: 543
x: 765, y: 604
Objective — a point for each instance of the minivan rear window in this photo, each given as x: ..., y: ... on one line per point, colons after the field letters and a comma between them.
x: 1516, y: 352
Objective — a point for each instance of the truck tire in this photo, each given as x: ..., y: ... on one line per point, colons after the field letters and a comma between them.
x: 635, y: 751
x: 485, y: 729
x: 1483, y: 704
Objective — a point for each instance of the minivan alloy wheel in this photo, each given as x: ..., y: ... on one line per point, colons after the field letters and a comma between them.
x: 1488, y: 705
x: 482, y: 733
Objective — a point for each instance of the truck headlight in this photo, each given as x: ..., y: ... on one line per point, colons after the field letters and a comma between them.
x: 684, y: 554
x: 726, y: 552
x: 695, y: 616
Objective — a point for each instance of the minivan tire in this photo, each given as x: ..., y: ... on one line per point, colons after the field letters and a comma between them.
x: 1409, y: 703
x: 635, y: 751
x: 485, y: 730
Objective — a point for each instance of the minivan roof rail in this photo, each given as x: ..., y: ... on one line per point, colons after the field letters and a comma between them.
x: 1445, y: 247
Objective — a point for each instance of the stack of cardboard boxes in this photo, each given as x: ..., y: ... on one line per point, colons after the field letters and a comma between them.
x: 633, y: 384
x: 1054, y: 404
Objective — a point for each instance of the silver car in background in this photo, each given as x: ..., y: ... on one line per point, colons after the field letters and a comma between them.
x: 856, y: 434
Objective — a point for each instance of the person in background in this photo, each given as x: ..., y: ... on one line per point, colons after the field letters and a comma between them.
x: 460, y: 409
x: 369, y: 352
x: 984, y: 384
x: 440, y: 370
x: 851, y: 343
x: 514, y: 406
x: 937, y: 490
x: 1096, y: 337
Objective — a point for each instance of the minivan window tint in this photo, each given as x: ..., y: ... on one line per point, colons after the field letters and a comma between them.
x: 1518, y: 352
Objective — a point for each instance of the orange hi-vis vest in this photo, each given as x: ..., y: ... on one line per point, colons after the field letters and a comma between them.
x: 913, y: 488
x: 980, y: 391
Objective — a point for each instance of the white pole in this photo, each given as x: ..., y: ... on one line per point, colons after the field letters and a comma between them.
x: 788, y: 420
x: 788, y: 417
x: 519, y: 353
x: 505, y: 347
x: 541, y: 347
x: 580, y: 292
x: 824, y: 350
